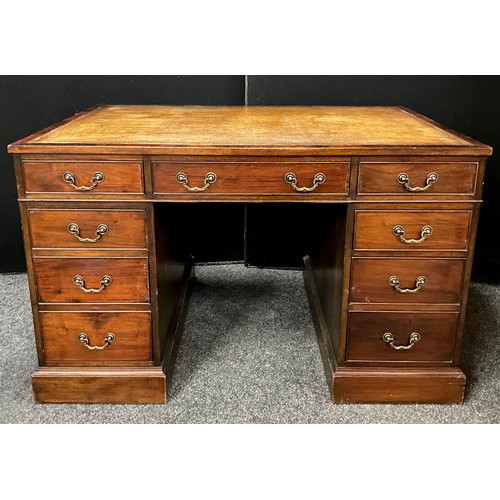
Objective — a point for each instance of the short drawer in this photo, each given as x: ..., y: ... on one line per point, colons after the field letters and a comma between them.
x: 251, y: 178
x: 87, y: 228
x: 91, y: 280
x: 82, y: 179
x: 401, y: 337
x: 96, y: 336
x: 417, y: 178
x: 405, y: 281
x: 411, y: 229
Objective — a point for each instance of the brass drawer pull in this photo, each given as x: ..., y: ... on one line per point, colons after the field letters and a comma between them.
x: 69, y: 177
x: 105, y: 281
x: 405, y: 180
x: 319, y: 178
x: 389, y: 338
x: 419, y: 283
x: 101, y: 230
x: 182, y: 178
x: 110, y: 337
x: 400, y: 232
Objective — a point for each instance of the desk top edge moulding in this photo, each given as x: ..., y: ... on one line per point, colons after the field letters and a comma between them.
x: 395, y: 199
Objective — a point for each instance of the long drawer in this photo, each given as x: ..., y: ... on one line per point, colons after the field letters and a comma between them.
x: 84, y: 229
x: 90, y: 280
x: 401, y: 337
x: 96, y: 336
x: 251, y: 178
x: 411, y: 230
x: 406, y: 280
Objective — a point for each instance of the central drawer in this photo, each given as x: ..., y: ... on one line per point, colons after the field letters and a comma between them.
x: 108, y: 279
x: 251, y: 178
x: 129, y: 336
x: 420, y: 280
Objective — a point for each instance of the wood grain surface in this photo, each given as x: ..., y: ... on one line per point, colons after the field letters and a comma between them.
x: 399, y: 386
x: 252, y: 178
x: 373, y: 229
x: 94, y: 385
x: 47, y: 177
x: 369, y: 280
x: 132, y: 332
x: 366, y: 330
x: 55, y: 279
x: 453, y: 177
x: 49, y: 228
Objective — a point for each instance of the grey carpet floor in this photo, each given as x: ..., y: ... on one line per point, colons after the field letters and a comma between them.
x: 248, y: 355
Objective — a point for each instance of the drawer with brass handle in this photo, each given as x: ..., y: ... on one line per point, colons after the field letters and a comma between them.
x: 410, y: 230
x: 85, y: 229
x: 322, y: 178
x: 96, y: 336
x: 418, y: 178
x: 401, y: 337
x: 90, y: 280
x: 82, y: 179
x: 399, y: 280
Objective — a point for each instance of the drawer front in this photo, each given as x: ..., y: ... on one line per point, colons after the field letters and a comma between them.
x: 56, y: 279
x: 251, y: 178
x: 63, y: 340
x: 395, y: 178
x: 47, y: 177
x: 88, y: 228
x: 433, y: 337
x: 441, y: 284
x: 411, y: 229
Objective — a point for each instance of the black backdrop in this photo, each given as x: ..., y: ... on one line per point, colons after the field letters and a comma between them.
x: 469, y: 104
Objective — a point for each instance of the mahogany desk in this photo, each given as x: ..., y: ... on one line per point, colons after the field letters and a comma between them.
x: 108, y: 197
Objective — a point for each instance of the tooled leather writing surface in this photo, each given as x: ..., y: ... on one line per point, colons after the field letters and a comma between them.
x: 250, y: 126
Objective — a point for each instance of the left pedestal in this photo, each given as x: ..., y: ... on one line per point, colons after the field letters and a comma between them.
x: 90, y: 253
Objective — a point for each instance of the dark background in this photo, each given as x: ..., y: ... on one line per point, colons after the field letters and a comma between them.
x: 469, y: 104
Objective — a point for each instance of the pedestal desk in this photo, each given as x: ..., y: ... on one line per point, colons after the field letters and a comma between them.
x: 110, y: 198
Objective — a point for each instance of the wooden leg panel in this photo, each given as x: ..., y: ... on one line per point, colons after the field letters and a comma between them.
x: 128, y: 385
x: 398, y: 386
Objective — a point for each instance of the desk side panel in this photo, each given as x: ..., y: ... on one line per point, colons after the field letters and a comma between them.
x: 29, y: 258
x: 171, y: 274
x: 326, y: 269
